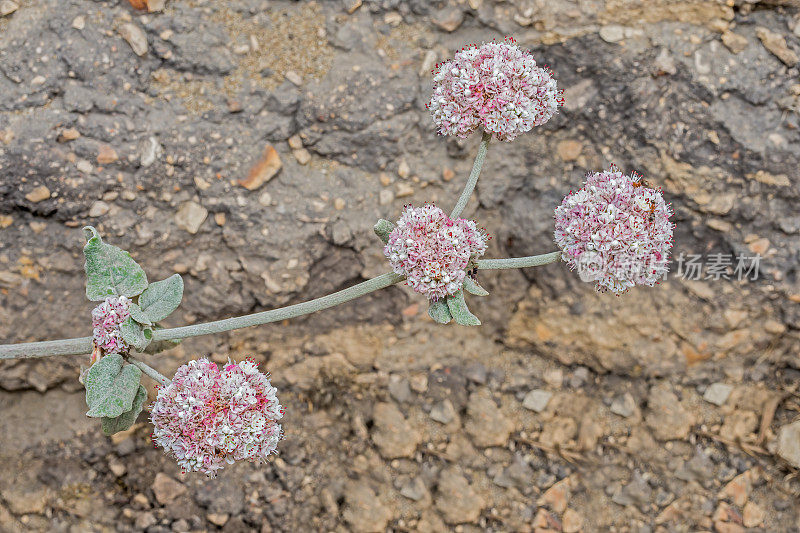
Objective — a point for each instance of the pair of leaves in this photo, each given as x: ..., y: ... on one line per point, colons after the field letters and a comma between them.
x: 111, y: 271
x: 453, y: 307
x: 114, y: 393
x: 111, y: 386
x: 126, y: 419
x: 155, y: 303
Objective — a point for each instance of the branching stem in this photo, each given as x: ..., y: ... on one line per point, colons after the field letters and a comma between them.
x: 83, y: 345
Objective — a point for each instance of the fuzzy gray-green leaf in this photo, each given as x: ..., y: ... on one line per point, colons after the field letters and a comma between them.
x: 111, y: 387
x: 439, y: 312
x: 126, y: 419
x: 382, y: 229
x: 138, y: 315
x: 110, y: 271
x: 458, y: 308
x: 132, y: 334
x: 162, y: 298
x: 472, y: 287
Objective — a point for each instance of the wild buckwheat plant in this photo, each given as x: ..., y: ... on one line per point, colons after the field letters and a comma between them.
x: 496, y: 87
x: 615, y: 231
x: 207, y: 417
x: 432, y: 251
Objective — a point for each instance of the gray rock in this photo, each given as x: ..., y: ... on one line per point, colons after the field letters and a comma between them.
x: 789, y: 443
x: 399, y: 388
x: 224, y: 496
x: 665, y: 415
x: 537, y: 400
x: 191, y: 216
x: 456, y: 499
x: 415, y: 489
x: 166, y: 489
x: 199, y: 46
x: 699, y: 468
x: 364, y: 511
x: 449, y: 18
x: 576, y: 97
x: 612, y: 34
x: 579, y: 377
x: 98, y: 209
x: 518, y: 474
x: 149, y: 151
x: 486, y: 423
x: 135, y: 37
x: 636, y: 492
x: 665, y: 63
x: 718, y: 393
x: 144, y: 520
x: 477, y: 373
x: 392, y: 433
x: 624, y: 405
x: 7, y: 7
x: 443, y: 412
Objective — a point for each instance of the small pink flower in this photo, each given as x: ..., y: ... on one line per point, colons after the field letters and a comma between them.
x: 495, y: 86
x: 207, y: 417
x: 615, y: 231
x: 432, y: 250
x: 106, y: 320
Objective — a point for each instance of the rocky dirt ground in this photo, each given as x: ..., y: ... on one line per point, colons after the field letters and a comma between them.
x: 665, y: 409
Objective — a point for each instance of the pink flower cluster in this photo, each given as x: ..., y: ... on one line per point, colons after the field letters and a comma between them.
x: 615, y: 231
x: 432, y: 250
x: 207, y: 417
x: 106, y: 320
x: 496, y: 86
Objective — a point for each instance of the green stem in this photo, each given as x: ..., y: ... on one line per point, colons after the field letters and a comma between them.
x: 473, y: 176
x: 519, y: 262
x: 83, y: 345
x: 29, y: 350
x: 276, y: 315
x: 149, y: 370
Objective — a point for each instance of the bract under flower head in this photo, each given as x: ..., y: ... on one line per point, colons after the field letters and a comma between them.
x: 207, y: 417
x: 432, y: 250
x: 106, y: 320
x: 495, y: 86
x: 615, y: 231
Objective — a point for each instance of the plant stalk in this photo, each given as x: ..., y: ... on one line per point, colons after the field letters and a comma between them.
x: 149, y: 370
x: 519, y: 262
x: 83, y: 345
x: 473, y: 176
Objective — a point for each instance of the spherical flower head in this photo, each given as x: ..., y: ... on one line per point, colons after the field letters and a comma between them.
x: 207, y: 417
x: 495, y: 86
x: 432, y: 250
x: 615, y: 231
x: 106, y: 320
